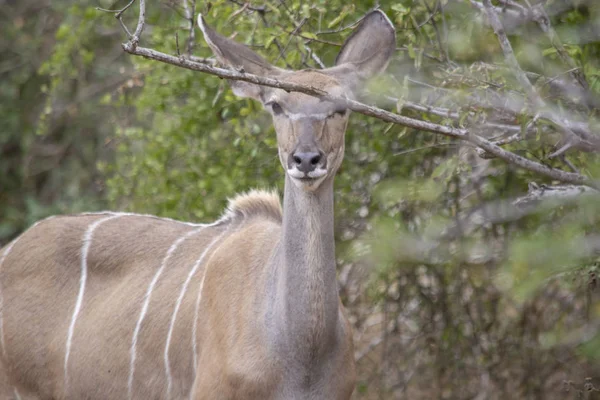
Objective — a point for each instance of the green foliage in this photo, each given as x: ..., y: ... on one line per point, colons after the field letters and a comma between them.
x: 53, y: 129
x: 461, y: 285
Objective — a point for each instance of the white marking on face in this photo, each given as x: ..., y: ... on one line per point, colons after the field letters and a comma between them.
x: 298, y: 116
x: 178, y: 305
x: 87, y: 242
x: 147, y: 297
x: 298, y: 177
x: 317, y: 173
x: 294, y: 172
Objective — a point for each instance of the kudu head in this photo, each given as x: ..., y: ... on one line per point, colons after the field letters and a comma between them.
x: 310, y: 132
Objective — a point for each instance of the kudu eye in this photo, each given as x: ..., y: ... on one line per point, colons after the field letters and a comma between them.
x: 277, y: 110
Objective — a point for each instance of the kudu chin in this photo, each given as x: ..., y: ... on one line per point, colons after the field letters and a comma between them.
x: 124, y: 306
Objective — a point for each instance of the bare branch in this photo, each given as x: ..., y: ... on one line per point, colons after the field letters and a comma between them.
x: 561, y: 151
x: 259, y: 9
x: 540, y: 16
x: 132, y: 47
x: 562, y: 193
x: 118, y: 12
x: 432, y: 12
x: 119, y: 15
x: 588, y: 142
x: 514, y: 4
x: 509, y: 55
x: 140, y: 25
x: 189, y: 15
x: 457, y: 133
x: 204, y: 60
x: 538, y: 199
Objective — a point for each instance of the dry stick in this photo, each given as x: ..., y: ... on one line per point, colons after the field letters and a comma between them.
x: 140, y: 25
x: 516, y: 5
x: 294, y: 32
x: 521, y: 77
x: 443, y: 49
x: 131, y: 47
x: 543, y: 20
x: 538, y: 14
x: 457, y: 133
x: 189, y: 14
x: 118, y: 15
x: 509, y: 55
x: 260, y: 9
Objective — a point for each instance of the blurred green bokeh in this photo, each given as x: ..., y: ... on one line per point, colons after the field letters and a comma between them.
x: 453, y: 290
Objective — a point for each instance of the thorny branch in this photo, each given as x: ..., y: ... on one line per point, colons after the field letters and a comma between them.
x: 572, y: 138
x: 190, y: 11
x: 461, y: 133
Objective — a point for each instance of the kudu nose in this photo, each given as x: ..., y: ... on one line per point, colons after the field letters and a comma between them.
x: 306, y: 161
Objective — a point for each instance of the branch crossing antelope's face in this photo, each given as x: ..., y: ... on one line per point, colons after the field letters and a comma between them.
x: 310, y: 132
x: 125, y: 306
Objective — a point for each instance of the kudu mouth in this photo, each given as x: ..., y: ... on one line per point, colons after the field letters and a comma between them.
x: 307, y: 166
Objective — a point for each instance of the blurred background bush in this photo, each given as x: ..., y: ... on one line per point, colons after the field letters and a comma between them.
x: 465, y: 277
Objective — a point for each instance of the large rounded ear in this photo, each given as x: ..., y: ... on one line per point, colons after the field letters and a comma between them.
x: 239, y: 57
x: 368, y: 50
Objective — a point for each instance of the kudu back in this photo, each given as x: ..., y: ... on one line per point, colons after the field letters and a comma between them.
x: 124, y: 306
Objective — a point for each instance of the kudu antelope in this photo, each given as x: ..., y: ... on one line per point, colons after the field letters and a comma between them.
x: 122, y: 306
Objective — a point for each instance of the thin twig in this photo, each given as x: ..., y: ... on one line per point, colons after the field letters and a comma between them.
x: 294, y: 32
x: 586, y: 143
x: 189, y: 15
x: 431, y: 146
x: 341, y: 29
x: 259, y: 9
x: 540, y: 16
x: 118, y: 12
x: 132, y: 47
x: 443, y: 49
x: 457, y: 133
x: 509, y: 55
x: 140, y: 25
x: 118, y: 16
x: 561, y: 151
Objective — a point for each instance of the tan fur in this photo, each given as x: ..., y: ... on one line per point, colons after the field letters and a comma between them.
x: 118, y: 306
x: 115, y: 289
x: 255, y: 203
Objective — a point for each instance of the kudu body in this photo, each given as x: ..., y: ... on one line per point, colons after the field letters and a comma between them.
x: 123, y: 306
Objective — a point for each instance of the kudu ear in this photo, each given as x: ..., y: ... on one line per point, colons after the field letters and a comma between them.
x: 368, y: 50
x: 231, y: 54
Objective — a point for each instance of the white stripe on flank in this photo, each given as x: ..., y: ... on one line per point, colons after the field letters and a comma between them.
x: 87, y: 241
x: 225, y: 217
x: 194, y: 327
x: 4, y: 254
x: 146, y: 303
x: 178, y: 304
x: 141, y: 215
x: 17, y: 396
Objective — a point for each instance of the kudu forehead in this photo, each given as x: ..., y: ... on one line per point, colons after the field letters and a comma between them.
x: 299, y: 105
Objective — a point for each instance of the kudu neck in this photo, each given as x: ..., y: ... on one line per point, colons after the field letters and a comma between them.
x: 307, y: 293
x: 312, y: 211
